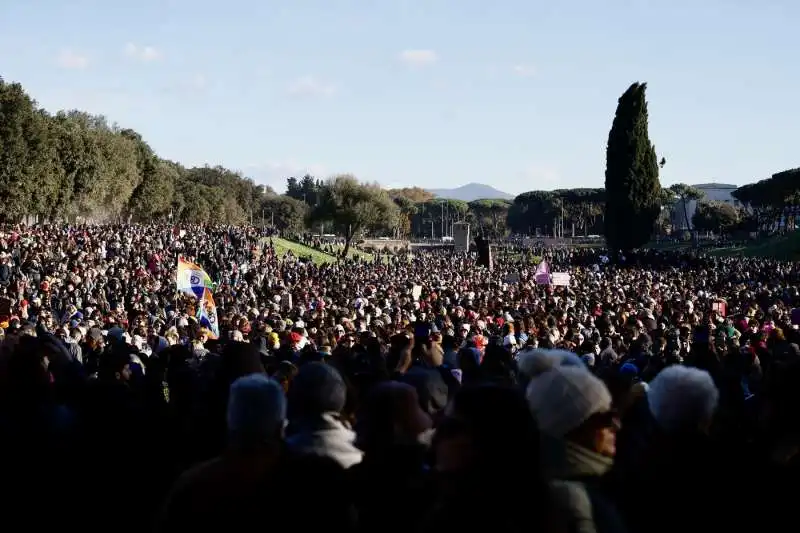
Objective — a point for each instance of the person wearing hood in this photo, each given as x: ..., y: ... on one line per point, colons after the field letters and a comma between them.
x: 317, y: 397
x: 573, y: 409
x: 255, y: 470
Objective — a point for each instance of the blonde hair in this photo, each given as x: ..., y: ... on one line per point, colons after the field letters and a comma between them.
x: 172, y: 334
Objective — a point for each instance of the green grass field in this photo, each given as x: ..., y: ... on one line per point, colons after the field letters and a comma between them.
x: 301, y: 250
x: 669, y: 246
x: 354, y: 252
x: 782, y: 247
x: 532, y: 259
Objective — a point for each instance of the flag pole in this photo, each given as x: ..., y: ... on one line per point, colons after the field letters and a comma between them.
x: 176, y: 291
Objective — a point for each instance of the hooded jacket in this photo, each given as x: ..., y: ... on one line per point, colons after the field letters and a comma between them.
x: 324, y: 436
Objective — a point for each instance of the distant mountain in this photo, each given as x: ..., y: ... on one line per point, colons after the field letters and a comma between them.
x: 472, y: 191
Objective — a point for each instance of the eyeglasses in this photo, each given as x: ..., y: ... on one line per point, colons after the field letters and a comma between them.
x: 610, y: 418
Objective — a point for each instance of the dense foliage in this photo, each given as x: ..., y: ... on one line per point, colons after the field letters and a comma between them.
x: 773, y: 202
x: 353, y: 207
x: 75, y: 166
x: 565, y: 212
x: 72, y: 165
x: 718, y: 217
x: 633, y: 192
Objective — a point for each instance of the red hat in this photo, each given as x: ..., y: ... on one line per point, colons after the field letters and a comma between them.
x: 480, y: 341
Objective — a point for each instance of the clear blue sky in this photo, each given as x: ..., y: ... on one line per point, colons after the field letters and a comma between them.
x: 437, y: 93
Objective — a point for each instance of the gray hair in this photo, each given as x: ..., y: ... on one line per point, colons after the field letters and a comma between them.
x: 682, y: 397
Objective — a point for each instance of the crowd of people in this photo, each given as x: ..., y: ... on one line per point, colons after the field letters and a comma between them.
x: 423, y: 393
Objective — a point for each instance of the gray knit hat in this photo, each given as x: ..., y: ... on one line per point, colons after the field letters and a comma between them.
x: 532, y: 362
x: 565, y: 397
x: 256, y: 408
x: 316, y: 389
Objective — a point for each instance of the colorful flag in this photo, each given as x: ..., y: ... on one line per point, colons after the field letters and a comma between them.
x: 192, y: 279
x: 207, y: 314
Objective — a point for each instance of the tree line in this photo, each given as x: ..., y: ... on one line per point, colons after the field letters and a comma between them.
x: 576, y: 212
x: 636, y: 204
x: 774, y: 202
x: 75, y: 166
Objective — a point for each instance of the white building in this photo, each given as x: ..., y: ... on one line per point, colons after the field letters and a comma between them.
x: 714, y: 192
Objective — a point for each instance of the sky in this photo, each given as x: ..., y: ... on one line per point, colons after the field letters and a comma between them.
x: 517, y: 94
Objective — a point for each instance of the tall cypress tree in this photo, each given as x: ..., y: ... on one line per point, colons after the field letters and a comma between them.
x: 633, y: 192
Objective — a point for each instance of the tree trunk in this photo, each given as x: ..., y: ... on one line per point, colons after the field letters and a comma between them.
x: 347, y: 240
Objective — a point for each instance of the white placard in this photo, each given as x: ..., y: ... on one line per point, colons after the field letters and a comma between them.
x: 416, y: 292
x: 561, y: 278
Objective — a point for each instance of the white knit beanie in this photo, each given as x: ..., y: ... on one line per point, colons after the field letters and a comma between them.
x: 256, y: 408
x: 564, y: 397
x: 532, y: 362
x: 682, y: 397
